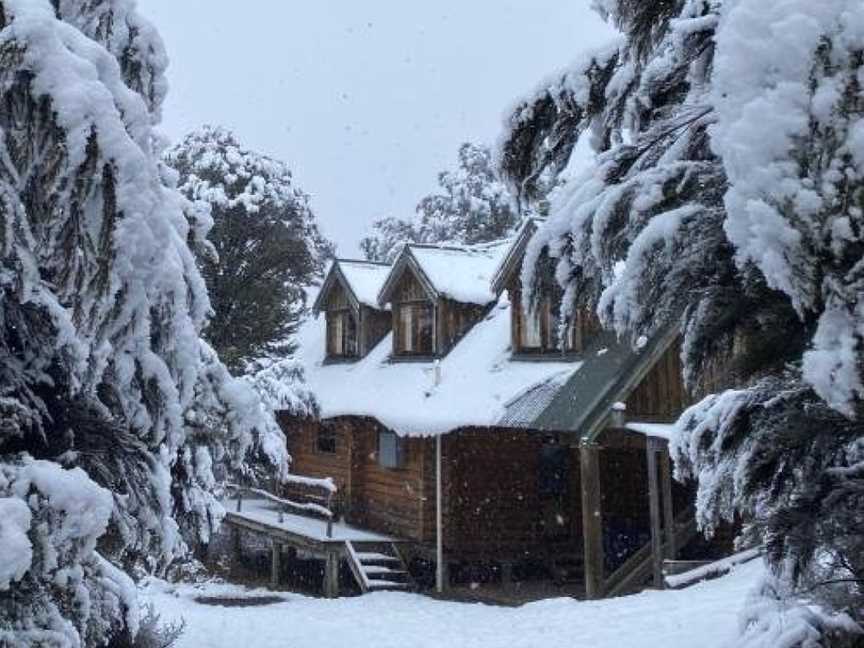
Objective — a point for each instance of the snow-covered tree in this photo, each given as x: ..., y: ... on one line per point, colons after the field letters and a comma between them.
x: 388, y: 237
x: 114, y: 413
x: 267, y: 246
x: 727, y: 198
x: 472, y: 206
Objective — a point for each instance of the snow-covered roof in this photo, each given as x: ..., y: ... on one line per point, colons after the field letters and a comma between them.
x: 363, y: 281
x: 511, y: 260
x: 461, y: 273
x: 658, y: 430
x: 480, y: 385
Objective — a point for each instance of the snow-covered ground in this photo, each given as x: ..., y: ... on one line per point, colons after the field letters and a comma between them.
x: 703, y: 616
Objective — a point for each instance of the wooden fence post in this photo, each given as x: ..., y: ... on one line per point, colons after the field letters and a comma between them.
x: 592, y: 519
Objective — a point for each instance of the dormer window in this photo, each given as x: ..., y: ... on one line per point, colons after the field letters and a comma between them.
x: 437, y: 294
x: 348, y: 298
x: 537, y: 330
x: 342, y: 336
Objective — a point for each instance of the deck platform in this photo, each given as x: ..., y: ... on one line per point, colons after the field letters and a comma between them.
x: 264, y: 516
x: 310, y: 535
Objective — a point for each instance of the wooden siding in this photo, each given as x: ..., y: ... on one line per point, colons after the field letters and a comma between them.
x: 660, y: 396
x: 494, y: 508
x: 388, y: 500
x: 337, y: 297
x: 493, y: 505
x: 454, y: 320
x: 374, y: 326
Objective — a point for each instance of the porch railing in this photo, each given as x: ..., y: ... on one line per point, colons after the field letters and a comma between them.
x: 320, y: 492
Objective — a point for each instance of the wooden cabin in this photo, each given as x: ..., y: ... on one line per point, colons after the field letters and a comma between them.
x: 355, y: 322
x: 476, y: 456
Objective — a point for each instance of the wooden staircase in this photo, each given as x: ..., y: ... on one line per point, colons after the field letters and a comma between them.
x: 377, y: 566
x: 636, y: 571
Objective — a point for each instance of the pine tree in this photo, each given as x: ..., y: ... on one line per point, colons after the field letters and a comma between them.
x: 727, y: 199
x: 115, y: 417
x: 473, y: 206
x: 266, y: 245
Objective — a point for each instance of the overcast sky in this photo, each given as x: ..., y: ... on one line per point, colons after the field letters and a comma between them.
x: 366, y: 100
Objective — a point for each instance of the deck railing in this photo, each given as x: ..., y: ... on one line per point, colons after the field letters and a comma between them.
x: 322, y: 504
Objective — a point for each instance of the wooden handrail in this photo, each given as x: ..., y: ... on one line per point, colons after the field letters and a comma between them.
x: 304, y: 507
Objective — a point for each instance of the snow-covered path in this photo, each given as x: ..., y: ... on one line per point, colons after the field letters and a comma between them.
x: 704, y: 616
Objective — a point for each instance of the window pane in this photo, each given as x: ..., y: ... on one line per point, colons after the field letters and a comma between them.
x: 531, y: 324
x: 424, y: 328
x: 326, y: 441
x: 350, y: 335
x: 388, y: 449
x: 337, y: 334
x: 406, y: 321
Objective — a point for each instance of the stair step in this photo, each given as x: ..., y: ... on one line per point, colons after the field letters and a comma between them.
x: 372, y: 556
x: 395, y: 576
x: 379, y: 569
x: 383, y: 584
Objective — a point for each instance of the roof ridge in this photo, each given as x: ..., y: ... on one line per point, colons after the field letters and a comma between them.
x: 434, y: 246
x: 363, y: 261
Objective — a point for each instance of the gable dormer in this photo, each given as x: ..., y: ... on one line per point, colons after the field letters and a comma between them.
x: 436, y: 295
x: 348, y: 298
x: 535, y: 329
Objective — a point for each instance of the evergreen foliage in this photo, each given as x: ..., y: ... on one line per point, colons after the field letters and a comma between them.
x: 473, y: 206
x: 116, y: 419
x: 266, y: 247
x: 726, y: 199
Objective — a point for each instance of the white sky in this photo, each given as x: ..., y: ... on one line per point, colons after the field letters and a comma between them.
x: 366, y: 100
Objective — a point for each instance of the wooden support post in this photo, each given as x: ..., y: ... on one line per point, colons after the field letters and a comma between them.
x: 331, y: 575
x: 668, y: 512
x: 236, y: 550
x: 506, y: 572
x: 654, y: 506
x: 439, y: 519
x: 275, y: 556
x: 592, y: 519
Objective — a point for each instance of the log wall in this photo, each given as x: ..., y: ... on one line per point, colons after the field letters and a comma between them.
x: 660, y: 396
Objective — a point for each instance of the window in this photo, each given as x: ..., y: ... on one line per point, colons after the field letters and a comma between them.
x: 415, y: 326
x: 391, y: 450
x: 554, y: 473
x: 326, y: 441
x: 341, y: 334
x: 539, y: 330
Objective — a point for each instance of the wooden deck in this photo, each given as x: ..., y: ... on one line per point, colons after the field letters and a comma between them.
x: 265, y: 517
x: 330, y: 541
